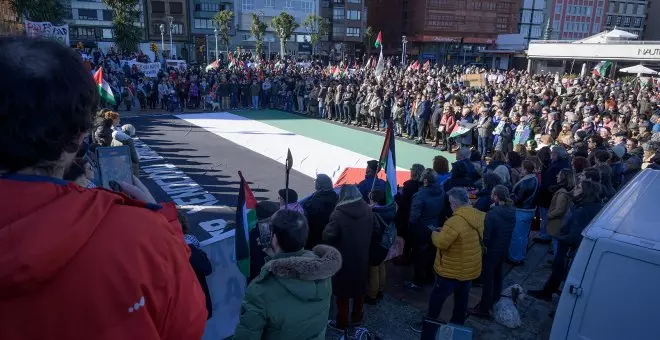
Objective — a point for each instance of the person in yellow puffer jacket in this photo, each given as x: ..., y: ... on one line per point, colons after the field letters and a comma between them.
x: 458, y: 258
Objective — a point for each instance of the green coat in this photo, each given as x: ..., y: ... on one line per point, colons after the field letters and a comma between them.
x: 290, y: 299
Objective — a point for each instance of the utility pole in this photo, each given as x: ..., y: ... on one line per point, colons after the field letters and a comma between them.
x: 215, y: 32
x: 404, y: 42
x: 170, y: 21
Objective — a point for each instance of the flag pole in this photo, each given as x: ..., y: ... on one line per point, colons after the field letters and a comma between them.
x: 287, y: 168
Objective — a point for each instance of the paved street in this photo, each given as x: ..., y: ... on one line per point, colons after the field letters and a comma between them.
x: 212, y: 162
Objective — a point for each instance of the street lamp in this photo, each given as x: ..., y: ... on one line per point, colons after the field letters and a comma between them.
x: 162, y: 37
x: 215, y: 32
x: 169, y: 22
x: 404, y: 41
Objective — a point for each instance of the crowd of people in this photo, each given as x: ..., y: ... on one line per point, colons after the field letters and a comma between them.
x: 530, y: 149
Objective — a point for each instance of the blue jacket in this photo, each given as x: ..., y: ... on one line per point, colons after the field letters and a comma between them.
x: 425, y: 211
x: 365, y: 186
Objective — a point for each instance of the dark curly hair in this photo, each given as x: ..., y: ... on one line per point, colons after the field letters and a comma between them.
x: 47, y: 99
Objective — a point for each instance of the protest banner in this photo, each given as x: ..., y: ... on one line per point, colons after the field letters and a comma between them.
x: 150, y: 70
x: 47, y: 30
x: 178, y: 64
x: 475, y: 80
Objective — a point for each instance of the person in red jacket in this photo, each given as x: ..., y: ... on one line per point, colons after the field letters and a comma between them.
x: 448, y: 124
x: 79, y: 263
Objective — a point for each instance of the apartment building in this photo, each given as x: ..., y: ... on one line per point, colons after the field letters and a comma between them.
x: 348, y: 21
x: 576, y: 19
x: 202, y: 27
x: 627, y: 15
x: 458, y: 31
x: 174, y: 17
x: 532, y: 19
x: 267, y: 10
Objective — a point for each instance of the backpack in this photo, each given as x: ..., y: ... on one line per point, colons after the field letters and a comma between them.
x: 389, y: 234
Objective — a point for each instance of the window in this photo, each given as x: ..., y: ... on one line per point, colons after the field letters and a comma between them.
x: 353, y: 15
x: 338, y: 31
x: 158, y: 7
x: 268, y: 3
x: 354, y: 1
x: 246, y: 37
x: 626, y: 21
x: 637, y: 22
x: 203, y: 24
x: 307, y: 6
x: 288, y: 4
x: 301, y: 38
x: 629, y: 9
x: 640, y: 9
x: 177, y: 29
x: 83, y: 32
x: 247, y: 5
x: 338, y: 13
x: 176, y: 8
x: 611, y: 7
x: 608, y: 22
x: 352, y: 32
x: 599, y: 11
x: 619, y: 20
x: 595, y: 28
x: 107, y: 33
x: 107, y: 16
x: 207, y: 7
x: 555, y: 25
x: 87, y: 14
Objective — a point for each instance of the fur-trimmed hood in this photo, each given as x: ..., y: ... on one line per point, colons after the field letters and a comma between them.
x: 120, y: 136
x: 301, y: 272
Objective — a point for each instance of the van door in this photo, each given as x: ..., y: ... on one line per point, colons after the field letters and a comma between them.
x: 618, y: 297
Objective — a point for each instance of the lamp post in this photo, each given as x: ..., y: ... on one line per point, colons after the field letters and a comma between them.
x: 404, y: 41
x: 162, y: 37
x: 215, y: 32
x: 169, y: 22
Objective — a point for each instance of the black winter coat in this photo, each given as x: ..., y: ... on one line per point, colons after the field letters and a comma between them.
x: 498, y: 227
x: 318, y: 209
x: 525, y: 191
x: 202, y: 267
x: 349, y: 230
x: 404, y: 200
x: 387, y: 214
x: 576, y: 220
x: 549, y: 178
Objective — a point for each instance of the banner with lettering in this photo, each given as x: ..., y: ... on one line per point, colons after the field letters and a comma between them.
x: 47, y: 30
x: 150, y: 70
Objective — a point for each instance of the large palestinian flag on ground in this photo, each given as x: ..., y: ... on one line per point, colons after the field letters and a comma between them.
x: 246, y: 219
x: 104, y: 88
x: 388, y: 163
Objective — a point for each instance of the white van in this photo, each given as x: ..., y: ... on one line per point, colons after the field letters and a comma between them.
x: 613, y: 287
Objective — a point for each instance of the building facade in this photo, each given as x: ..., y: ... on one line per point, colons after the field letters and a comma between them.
x: 627, y: 15
x: 391, y: 18
x: 576, y: 19
x: 348, y: 20
x: 532, y: 19
x: 174, y: 18
x: 10, y: 23
x: 458, y: 31
x: 298, y: 44
x: 651, y: 23
x: 202, y: 28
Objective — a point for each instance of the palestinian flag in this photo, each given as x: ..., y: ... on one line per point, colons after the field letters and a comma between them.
x: 213, y: 66
x: 387, y: 162
x: 426, y: 66
x: 602, y: 68
x: 379, y: 40
x: 246, y: 220
x: 104, y: 88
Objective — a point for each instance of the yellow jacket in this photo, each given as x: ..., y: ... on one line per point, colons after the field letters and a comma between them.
x: 459, y: 251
